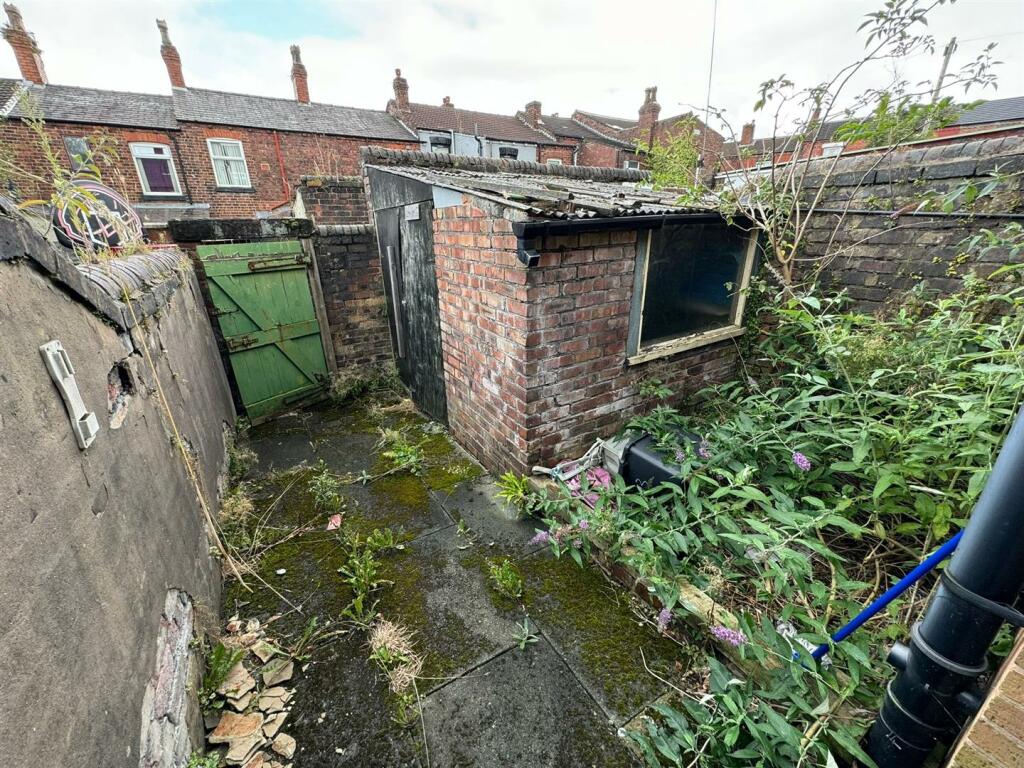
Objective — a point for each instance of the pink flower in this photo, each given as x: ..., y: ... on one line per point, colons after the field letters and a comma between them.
x: 801, y: 461
x: 334, y: 522
x: 731, y: 636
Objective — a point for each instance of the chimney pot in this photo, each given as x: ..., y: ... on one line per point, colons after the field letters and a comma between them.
x: 447, y: 102
x: 747, y: 134
x: 26, y: 51
x: 170, y: 56
x: 300, y: 80
x: 401, y: 88
x: 533, y: 112
x: 649, y: 112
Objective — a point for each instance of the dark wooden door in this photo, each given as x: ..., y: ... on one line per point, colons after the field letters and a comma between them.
x: 406, y: 239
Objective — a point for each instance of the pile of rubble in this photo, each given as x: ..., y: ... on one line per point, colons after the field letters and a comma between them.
x: 255, y: 702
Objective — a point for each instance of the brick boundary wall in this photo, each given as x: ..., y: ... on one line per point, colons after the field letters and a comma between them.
x: 877, y: 254
x: 995, y: 739
x: 332, y: 200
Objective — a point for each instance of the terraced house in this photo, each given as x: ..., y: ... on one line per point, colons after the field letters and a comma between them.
x: 195, y: 153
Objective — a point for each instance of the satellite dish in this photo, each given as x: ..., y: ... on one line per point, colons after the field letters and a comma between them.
x: 99, y: 229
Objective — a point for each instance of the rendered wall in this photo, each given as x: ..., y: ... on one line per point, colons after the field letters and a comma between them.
x: 95, y: 541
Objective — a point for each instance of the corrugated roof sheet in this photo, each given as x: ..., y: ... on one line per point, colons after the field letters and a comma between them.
x: 994, y: 111
x: 560, y: 192
x: 202, y: 106
x: 486, y: 124
x: 66, y: 103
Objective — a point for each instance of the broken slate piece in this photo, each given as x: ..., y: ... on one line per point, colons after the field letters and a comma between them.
x: 284, y: 745
x: 259, y: 760
x: 232, y: 728
x: 277, y: 672
x: 273, y: 699
x: 264, y: 651
x: 241, y: 702
x: 238, y: 682
x: 241, y: 750
x: 273, y: 724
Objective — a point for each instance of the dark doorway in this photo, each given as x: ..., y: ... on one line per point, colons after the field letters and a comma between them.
x: 405, y: 235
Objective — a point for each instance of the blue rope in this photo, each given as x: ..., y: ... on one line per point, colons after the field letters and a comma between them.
x: 889, y: 595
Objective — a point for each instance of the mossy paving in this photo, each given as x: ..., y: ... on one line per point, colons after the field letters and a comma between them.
x: 438, y: 589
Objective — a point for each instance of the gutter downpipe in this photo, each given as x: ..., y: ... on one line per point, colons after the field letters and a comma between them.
x: 935, y: 691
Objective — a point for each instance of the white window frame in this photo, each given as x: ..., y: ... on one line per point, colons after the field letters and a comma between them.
x: 508, y: 148
x: 136, y: 158
x: 637, y: 353
x: 554, y: 161
x: 444, y: 144
x: 631, y: 165
x: 215, y: 157
x: 832, y: 148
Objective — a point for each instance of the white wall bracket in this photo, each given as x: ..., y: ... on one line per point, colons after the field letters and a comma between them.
x: 83, y: 422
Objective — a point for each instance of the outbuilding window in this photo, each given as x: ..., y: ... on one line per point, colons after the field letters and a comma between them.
x: 631, y: 165
x: 441, y: 144
x: 508, y: 153
x: 690, y: 285
x: 156, y: 169
x: 554, y: 161
x: 229, y: 166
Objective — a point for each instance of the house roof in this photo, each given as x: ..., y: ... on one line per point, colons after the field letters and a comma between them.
x: 202, y: 106
x: 994, y: 111
x: 618, y: 123
x: 566, y: 126
x: 550, y: 192
x: 486, y: 124
x: 783, y: 143
x: 65, y: 103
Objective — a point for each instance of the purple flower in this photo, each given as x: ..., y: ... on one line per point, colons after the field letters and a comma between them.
x: 801, y: 461
x: 577, y: 543
x: 704, y: 449
x: 731, y: 636
x: 542, y: 537
x: 680, y: 456
x: 664, y: 617
x: 583, y: 524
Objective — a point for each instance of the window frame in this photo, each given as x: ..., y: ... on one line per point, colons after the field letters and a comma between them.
x: 837, y: 146
x: 626, y: 165
x: 637, y: 353
x: 214, y: 158
x: 140, y: 172
x: 514, y: 151
x: 554, y: 161
x: 442, y: 141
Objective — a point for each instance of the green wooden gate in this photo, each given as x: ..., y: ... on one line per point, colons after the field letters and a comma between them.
x: 264, y: 306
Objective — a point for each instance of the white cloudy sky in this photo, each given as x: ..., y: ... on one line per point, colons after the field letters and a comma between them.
x: 495, y: 56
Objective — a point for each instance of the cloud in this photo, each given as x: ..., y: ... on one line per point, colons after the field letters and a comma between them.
x: 597, y: 55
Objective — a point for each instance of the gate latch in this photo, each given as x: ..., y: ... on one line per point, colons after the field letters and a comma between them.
x: 83, y: 422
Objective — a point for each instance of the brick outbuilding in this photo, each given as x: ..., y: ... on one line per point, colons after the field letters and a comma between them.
x: 528, y: 302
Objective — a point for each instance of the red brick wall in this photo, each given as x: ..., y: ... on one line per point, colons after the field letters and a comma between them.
x: 482, y: 298
x: 995, y: 739
x: 599, y: 154
x: 562, y: 152
x: 535, y: 360
x: 304, y: 154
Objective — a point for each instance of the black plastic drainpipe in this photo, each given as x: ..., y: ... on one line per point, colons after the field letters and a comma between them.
x: 934, y: 693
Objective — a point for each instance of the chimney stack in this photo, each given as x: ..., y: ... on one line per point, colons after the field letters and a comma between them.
x: 447, y: 102
x: 649, y: 112
x: 533, y: 113
x: 300, y: 81
x: 747, y: 135
x: 401, y: 86
x: 170, y: 56
x: 30, y: 58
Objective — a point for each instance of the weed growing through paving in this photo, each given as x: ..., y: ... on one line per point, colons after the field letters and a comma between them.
x: 378, y: 383
x: 361, y: 571
x: 392, y: 649
x: 523, y: 636
x: 219, y: 663
x: 403, y: 454
x: 325, y: 489
x: 505, y: 578
x: 514, y: 490
x: 197, y: 760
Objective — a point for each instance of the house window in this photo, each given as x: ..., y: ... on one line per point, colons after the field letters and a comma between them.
x: 832, y: 148
x: 689, y: 287
x: 78, y: 151
x: 631, y: 165
x: 508, y: 153
x: 156, y: 169
x: 229, y: 166
x: 441, y: 144
x: 554, y: 161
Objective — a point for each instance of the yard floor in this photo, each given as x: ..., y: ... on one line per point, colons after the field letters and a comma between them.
x: 562, y: 701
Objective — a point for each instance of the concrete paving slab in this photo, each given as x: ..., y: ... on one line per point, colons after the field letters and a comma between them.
x: 494, y: 524
x: 523, y: 709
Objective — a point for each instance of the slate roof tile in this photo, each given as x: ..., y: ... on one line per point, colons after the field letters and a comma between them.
x: 486, y: 124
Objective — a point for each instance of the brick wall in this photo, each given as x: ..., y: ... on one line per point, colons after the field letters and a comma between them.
x: 995, y: 739
x: 876, y: 254
x: 302, y: 154
x: 333, y: 200
x: 350, y: 278
x: 599, y: 154
x: 561, y: 152
x: 535, y: 360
